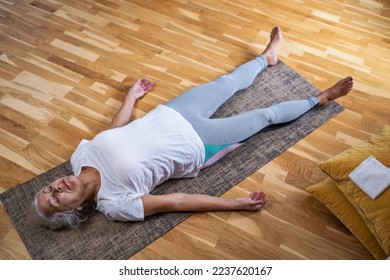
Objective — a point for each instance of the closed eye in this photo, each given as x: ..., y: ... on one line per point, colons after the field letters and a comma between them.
x: 48, y: 189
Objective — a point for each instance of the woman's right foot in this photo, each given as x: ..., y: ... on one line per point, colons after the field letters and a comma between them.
x: 341, y: 88
x: 270, y: 51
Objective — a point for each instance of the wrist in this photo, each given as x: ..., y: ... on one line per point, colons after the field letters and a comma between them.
x: 131, y: 96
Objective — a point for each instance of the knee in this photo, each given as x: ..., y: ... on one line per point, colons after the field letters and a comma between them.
x: 272, y: 116
x: 226, y: 81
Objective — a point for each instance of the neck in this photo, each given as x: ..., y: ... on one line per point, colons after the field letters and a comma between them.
x: 91, y: 178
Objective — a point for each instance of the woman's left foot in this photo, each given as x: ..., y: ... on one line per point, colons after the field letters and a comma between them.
x: 341, y: 88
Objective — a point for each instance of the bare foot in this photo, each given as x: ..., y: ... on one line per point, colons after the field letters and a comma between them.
x: 270, y: 51
x: 341, y: 88
x: 140, y: 88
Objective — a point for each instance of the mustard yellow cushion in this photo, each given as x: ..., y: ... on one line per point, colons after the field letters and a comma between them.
x: 341, y: 165
x: 375, y: 213
x: 328, y: 194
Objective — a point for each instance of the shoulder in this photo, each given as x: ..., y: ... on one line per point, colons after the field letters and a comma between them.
x: 78, y: 155
x: 123, y: 208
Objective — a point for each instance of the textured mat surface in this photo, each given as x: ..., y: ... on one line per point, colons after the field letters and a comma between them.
x: 99, y: 238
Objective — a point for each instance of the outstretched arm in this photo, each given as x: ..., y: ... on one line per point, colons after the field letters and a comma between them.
x: 139, y: 89
x: 181, y: 202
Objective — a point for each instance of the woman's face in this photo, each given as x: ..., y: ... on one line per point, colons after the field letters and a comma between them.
x: 61, y: 195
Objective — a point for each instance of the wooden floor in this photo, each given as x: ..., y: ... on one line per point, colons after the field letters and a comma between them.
x: 65, y: 67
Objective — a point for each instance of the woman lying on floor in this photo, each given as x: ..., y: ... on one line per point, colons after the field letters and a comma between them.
x: 119, y: 167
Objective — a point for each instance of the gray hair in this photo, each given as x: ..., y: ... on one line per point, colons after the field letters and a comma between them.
x: 71, y: 218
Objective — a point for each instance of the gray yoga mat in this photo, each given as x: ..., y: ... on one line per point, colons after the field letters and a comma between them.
x: 99, y: 238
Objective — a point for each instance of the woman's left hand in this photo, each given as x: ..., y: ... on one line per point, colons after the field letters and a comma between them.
x: 255, y: 201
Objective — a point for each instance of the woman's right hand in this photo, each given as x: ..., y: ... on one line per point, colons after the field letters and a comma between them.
x: 141, y: 87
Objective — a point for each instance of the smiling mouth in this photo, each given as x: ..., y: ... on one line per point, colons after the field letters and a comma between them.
x: 66, y: 185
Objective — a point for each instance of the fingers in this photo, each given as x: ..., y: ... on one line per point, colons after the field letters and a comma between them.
x: 259, y: 199
x: 146, y: 84
x: 259, y: 196
x: 141, y: 87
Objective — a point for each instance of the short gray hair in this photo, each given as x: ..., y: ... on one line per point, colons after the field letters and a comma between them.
x: 71, y: 218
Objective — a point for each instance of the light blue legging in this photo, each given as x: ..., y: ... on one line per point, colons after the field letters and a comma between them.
x: 198, y: 104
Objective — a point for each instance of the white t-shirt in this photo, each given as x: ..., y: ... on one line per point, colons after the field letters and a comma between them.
x: 134, y: 159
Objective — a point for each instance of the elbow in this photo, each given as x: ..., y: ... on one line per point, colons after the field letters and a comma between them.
x: 154, y: 204
x: 113, y: 125
x: 178, y: 202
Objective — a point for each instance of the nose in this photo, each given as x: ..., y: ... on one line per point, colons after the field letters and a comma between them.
x: 59, y: 188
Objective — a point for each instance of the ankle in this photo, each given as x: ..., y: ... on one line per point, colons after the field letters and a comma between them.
x: 262, y: 59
